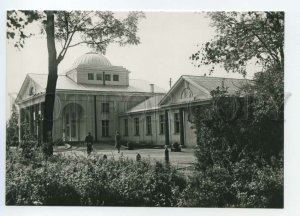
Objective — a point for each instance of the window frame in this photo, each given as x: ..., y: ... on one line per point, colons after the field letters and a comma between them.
x: 136, y: 126
x: 162, y: 124
x: 105, y: 128
x: 105, y: 107
x: 116, y: 75
x: 107, y: 77
x: 126, y: 127
x: 176, y: 123
x: 93, y: 77
x: 148, y: 126
x: 99, y: 75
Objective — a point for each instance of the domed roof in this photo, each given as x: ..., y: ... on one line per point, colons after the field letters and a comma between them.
x: 92, y: 59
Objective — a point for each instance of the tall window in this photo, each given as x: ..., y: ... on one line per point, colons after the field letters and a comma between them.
x: 161, y: 124
x: 136, y: 126
x: 176, y: 122
x: 148, y: 125
x: 99, y: 76
x: 73, y: 124
x: 107, y: 77
x: 115, y: 77
x: 90, y: 76
x: 105, y: 107
x: 105, y: 128
x: 125, y: 127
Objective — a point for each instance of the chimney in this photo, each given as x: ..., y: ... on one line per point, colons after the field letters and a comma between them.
x: 152, y: 88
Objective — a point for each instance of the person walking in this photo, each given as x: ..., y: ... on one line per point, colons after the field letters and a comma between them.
x: 167, y: 159
x: 89, y: 143
x: 118, y: 141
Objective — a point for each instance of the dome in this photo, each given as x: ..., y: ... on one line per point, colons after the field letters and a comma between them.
x: 92, y: 60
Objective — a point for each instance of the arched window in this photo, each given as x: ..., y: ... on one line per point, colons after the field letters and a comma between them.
x: 186, y: 93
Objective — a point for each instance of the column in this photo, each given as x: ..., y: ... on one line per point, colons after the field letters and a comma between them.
x: 167, y: 138
x: 181, y: 128
x: 95, y: 115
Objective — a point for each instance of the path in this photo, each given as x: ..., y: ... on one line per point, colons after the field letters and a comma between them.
x: 180, y: 160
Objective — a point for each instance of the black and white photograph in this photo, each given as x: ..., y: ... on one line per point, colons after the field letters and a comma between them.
x: 139, y: 108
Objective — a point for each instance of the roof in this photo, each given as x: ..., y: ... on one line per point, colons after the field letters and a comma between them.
x: 65, y: 83
x: 149, y: 104
x: 211, y: 83
x: 92, y: 60
x: 206, y: 84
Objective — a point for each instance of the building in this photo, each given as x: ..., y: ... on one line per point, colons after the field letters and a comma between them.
x: 169, y: 119
x: 89, y: 98
x: 95, y: 96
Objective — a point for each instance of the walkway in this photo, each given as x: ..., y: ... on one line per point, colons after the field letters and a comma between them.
x: 180, y: 160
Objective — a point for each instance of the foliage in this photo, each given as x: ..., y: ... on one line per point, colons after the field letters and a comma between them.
x: 240, y: 136
x: 90, y: 181
x: 244, y: 37
x: 239, y: 155
x: 96, y: 29
x: 12, y: 129
x: 247, y: 185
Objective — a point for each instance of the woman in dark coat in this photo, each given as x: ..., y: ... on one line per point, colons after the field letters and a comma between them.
x: 118, y: 141
x: 89, y: 143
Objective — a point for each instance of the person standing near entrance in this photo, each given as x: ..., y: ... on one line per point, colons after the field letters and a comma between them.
x: 118, y: 141
x: 89, y: 143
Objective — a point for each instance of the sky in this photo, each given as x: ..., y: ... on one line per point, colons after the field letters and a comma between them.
x: 168, y: 39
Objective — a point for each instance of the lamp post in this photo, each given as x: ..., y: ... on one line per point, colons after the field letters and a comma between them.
x: 39, y: 121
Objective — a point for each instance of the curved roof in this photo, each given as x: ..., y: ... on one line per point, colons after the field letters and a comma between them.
x: 92, y: 59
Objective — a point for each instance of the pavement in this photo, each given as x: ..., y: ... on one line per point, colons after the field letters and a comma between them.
x: 181, y: 160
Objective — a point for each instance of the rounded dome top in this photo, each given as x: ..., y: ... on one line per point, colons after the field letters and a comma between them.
x: 92, y: 59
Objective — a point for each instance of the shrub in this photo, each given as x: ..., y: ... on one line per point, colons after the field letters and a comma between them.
x: 248, y: 186
x: 90, y: 182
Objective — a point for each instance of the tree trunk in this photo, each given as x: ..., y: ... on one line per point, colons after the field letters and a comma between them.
x: 51, y: 85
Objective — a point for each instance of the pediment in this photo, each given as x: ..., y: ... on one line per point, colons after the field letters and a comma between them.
x: 183, y: 91
x: 29, y: 89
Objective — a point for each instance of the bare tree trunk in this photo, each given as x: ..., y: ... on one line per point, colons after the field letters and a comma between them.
x: 51, y: 85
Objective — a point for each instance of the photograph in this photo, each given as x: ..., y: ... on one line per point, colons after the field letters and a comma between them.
x: 139, y: 108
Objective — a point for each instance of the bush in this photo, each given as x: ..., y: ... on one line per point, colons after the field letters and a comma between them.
x: 90, y: 182
x: 248, y: 186
x: 239, y: 154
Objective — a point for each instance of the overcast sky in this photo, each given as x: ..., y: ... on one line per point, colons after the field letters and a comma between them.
x: 167, y: 41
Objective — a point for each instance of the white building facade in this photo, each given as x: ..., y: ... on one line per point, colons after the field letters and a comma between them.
x: 95, y: 96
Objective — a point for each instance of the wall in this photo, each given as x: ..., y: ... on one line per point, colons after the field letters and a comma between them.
x: 82, y: 77
x: 156, y: 138
x: 118, y: 103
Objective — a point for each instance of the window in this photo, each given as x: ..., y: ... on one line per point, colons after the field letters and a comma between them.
x: 115, y: 77
x: 125, y: 127
x: 105, y: 107
x: 107, y: 77
x: 99, y: 76
x: 90, y: 76
x: 136, y: 126
x: 148, y: 125
x: 161, y: 124
x: 105, y: 128
x: 176, y: 122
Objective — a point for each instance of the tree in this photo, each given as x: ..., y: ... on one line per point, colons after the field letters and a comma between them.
x: 244, y: 37
x: 96, y: 29
x: 12, y: 128
x: 240, y: 147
